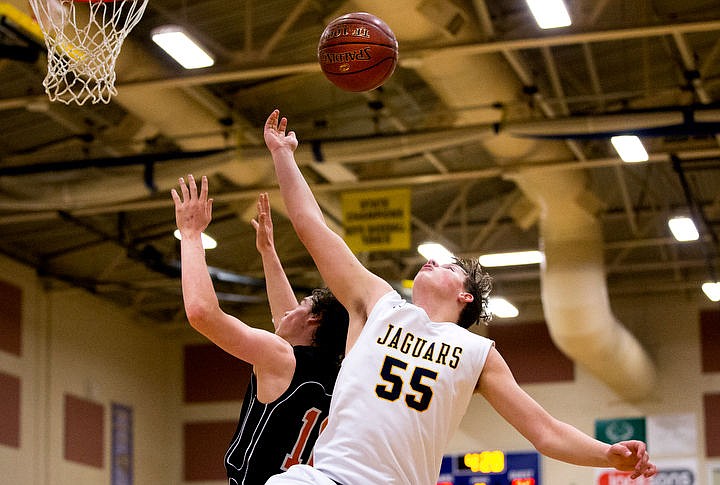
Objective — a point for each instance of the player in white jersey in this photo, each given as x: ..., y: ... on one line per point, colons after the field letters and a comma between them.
x: 411, y: 368
x: 405, y: 376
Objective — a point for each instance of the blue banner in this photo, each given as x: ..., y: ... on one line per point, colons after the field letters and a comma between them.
x: 121, y: 471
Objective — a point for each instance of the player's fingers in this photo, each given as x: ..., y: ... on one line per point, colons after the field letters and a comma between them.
x: 183, y: 189
x: 260, y: 209
x: 192, y: 186
x: 272, y: 119
x: 640, y: 447
x: 265, y: 202
x: 203, y: 188
x: 642, y: 463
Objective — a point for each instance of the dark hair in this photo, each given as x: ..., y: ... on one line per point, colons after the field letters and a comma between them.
x: 331, y: 333
x: 479, y: 284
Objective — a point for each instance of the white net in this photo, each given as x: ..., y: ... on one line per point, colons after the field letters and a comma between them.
x: 83, y: 39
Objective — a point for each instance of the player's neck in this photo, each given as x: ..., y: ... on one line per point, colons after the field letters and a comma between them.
x: 300, y: 340
x: 438, y: 310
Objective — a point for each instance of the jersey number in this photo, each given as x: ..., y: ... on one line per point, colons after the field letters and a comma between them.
x: 418, y: 400
x: 309, y: 421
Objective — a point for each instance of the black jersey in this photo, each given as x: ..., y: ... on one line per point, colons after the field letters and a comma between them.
x: 274, y: 436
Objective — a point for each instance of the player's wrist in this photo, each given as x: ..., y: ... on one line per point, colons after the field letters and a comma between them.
x: 191, y: 235
x: 282, y: 150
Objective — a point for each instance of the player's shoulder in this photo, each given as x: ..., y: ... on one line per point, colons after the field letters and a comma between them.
x: 315, y: 363
x: 466, y: 336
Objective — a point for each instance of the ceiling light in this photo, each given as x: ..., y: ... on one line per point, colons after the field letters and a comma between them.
x: 511, y: 259
x: 683, y: 228
x: 181, y: 47
x: 630, y: 148
x: 405, y: 289
x: 436, y: 252
x: 712, y: 290
x: 207, y: 241
x: 502, y: 308
x: 549, y: 14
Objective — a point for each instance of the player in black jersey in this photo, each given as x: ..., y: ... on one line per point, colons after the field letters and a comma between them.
x: 294, y: 369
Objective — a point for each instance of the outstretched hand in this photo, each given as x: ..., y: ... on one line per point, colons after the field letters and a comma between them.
x: 275, y: 137
x: 631, y: 456
x: 264, y: 239
x: 193, y: 212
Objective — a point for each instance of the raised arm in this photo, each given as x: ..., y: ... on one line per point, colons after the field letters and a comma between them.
x: 267, y: 352
x: 551, y: 437
x: 354, y: 286
x: 280, y: 293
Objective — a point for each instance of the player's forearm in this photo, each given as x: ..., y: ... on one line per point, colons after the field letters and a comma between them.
x: 280, y: 294
x: 566, y: 443
x: 199, y: 295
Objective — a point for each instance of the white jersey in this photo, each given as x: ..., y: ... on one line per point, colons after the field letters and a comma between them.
x: 400, y: 395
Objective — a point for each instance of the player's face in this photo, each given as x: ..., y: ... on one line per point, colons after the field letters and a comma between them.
x: 445, y: 279
x: 295, y: 321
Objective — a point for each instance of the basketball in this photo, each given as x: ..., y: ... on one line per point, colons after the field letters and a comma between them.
x: 357, y: 52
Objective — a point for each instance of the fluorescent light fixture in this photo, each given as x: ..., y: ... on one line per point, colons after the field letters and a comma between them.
x: 712, y: 290
x: 502, y: 308
x: 436, y: 252
x: 181, y: 47
x: 549, y: 14
x: 630, y: 148
x: 683, y: 228
x: 207, y: 241
x: 511, y: 259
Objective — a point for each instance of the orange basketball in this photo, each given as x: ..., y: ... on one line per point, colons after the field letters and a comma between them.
x: 357, y: 52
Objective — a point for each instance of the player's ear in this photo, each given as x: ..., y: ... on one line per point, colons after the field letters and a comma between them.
x: 465, y: 297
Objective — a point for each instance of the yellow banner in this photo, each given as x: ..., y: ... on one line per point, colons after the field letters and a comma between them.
x: 377, y: 220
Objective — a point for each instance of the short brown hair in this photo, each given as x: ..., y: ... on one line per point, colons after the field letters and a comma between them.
x: 479, y: 284
x: 331, y: 334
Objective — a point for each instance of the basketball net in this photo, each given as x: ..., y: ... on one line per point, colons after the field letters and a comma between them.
x: 83, y: 40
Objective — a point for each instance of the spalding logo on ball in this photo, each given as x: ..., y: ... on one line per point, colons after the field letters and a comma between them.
x: 358, y: 52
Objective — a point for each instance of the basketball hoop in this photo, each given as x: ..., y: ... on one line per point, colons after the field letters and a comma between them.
x: 83, y: 39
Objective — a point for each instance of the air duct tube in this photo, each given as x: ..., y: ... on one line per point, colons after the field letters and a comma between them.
x: 74, y: 189
x: 574, y: 290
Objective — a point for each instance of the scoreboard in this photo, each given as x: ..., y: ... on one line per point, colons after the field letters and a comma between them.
x: 490, y: 468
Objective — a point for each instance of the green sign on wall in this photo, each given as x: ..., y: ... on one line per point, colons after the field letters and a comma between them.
x: 620, y: 429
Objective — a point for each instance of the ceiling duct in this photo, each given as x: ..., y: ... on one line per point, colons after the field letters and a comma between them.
x: 573, y: 285
x: 93, y: 186
x: 90, y: 187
